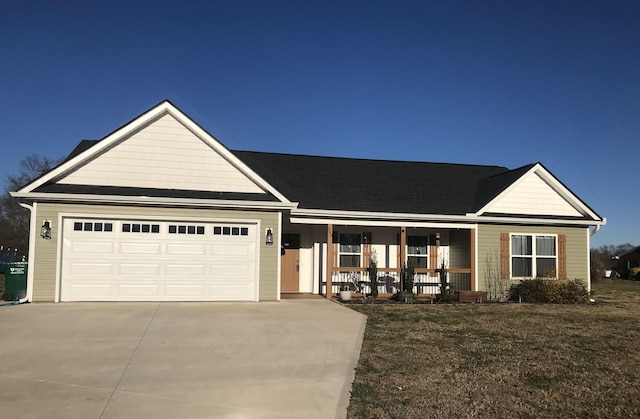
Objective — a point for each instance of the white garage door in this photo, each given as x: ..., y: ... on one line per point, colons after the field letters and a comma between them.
x: 134, y: 260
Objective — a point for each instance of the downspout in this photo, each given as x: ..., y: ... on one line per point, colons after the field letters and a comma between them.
x: 591, y: 233
x: 32, y: 251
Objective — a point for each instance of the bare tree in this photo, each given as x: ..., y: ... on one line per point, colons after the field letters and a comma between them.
x: 14, y: 219
x: 496, y: 285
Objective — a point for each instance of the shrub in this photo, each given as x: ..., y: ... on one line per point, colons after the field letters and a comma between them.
x: 634, y: 274
x: 550, y: 291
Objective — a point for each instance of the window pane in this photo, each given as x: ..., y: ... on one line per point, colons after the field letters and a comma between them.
x: 521, y: 245
x: 417, y: 245
x: 350, y: 260
x: 546, y: 267
x: 155, y: 228
x: 126, y: 228
x: 88, y: 226
x: 173, y: 229
x: 191, y: 229
x: 182, y: 229
x: 546, y: 245
x: 349, y: 243
x: 108, y: 227
x: 418, y: 262
x: 146, y: 228
x: 200, y: 230
x: 97, y: 227
x: 521, y: 267
x: 217, y: 230
x: 77, y: 226
x: 135, y: 228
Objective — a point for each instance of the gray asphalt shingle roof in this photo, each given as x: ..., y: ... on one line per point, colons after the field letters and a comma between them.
x: 337, y: 183
x: 377, y: 185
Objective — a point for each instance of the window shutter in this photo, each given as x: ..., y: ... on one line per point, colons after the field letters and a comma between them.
x: 504, y: 255
x: 562, y: 256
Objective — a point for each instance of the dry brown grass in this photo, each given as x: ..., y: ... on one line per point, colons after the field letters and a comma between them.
x: 502, y: 360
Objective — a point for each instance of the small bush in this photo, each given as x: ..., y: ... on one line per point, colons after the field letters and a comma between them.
x: 550, y: 291
x: 634, y: 274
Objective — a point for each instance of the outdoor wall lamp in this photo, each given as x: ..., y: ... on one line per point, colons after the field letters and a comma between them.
x: 269, y: 237
x: 45, y: 230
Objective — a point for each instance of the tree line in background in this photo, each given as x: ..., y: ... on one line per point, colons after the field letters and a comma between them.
x: 14, y: 219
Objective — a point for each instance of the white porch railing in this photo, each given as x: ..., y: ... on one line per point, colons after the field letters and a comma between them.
x: 389, y: 281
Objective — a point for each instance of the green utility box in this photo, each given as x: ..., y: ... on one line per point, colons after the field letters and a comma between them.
x: 15, y: 279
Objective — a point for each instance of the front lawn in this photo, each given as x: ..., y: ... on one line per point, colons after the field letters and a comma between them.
x: 502, y: 360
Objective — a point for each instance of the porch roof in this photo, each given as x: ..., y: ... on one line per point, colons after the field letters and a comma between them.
x: 335, y: 183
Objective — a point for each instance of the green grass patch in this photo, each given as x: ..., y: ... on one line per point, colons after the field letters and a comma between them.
x: 502, y: 360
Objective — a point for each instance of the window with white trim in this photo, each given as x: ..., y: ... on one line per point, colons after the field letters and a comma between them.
x: 350, y: 250
x: 418, y: 251
x: 534, y: 255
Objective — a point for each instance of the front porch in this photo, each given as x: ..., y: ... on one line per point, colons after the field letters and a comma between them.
x: 324, y: 258
x: 431, y: 251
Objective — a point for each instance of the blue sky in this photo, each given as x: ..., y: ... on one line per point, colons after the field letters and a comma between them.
x: 480, y: 82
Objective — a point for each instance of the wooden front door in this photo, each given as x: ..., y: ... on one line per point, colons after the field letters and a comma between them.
x: 290, y: 263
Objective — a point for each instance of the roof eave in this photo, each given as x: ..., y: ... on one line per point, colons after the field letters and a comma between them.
x: 151, y: 201
x: 319, y: 216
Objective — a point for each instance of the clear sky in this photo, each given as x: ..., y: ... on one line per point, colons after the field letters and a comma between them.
x: 481, y: 82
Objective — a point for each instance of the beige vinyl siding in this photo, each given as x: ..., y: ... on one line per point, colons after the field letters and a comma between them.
x: 46, y: 256
x: 577, y: 247
x: 164, y: 155
x: 534, y: 196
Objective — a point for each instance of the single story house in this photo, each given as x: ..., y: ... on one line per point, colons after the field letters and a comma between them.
x: 628, y: 261
x: 160, y: 210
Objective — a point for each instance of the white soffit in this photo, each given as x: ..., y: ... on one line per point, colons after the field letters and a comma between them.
x: 538, y: 193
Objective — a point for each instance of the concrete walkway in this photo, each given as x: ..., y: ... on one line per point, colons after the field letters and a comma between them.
x: 291, y: 359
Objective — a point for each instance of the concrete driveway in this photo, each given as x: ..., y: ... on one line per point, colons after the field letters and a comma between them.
x: 291, y: 359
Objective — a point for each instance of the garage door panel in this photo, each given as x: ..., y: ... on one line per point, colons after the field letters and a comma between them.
x: 231, y: 271
x: 92, y: 291
x: 133, y: 248
x: 186, y: 249
x: 84, y: 269
x: 91, y: 247
x: 185, y: 270
x: 233, y: 249
x: 169, y: 261
x: 139, y: 269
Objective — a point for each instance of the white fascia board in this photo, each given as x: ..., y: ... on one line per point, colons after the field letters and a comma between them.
x: 378, y: 223
x: 338, y: 214
x: 305, y: 216
x: 557, y: 186
x: 153, y: 201
x: 144, y: 119
x: 534, y: 221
